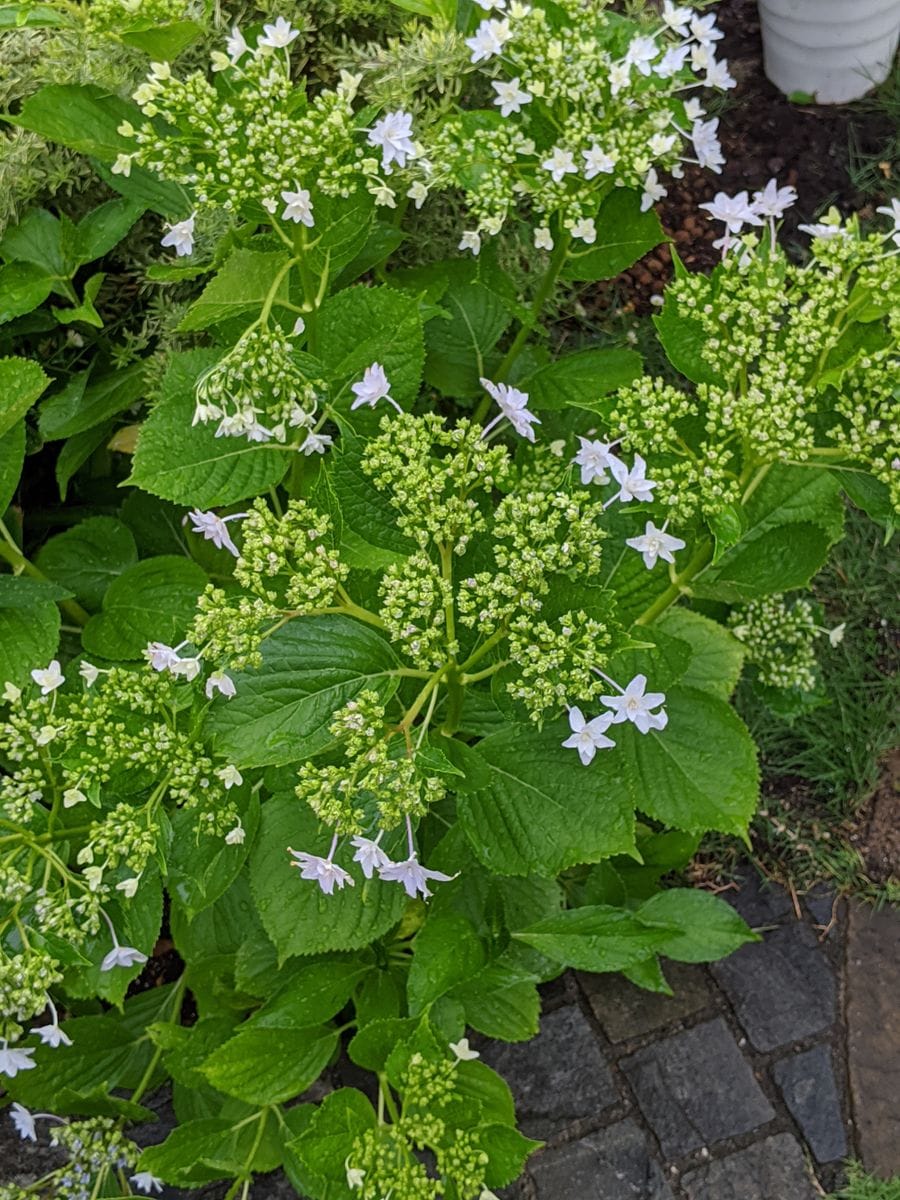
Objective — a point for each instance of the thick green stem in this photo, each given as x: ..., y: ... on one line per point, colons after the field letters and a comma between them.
x: 455, y: 695
x: 677, y: 588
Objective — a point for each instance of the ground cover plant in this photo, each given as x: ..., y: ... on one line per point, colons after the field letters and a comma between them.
x: 376, y: 652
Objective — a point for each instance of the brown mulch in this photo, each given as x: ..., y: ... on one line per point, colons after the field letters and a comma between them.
x: 876, y: 832
x: 763, y: 136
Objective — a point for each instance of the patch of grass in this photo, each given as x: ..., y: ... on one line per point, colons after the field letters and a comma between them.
x: 875, y: 171
x: 820, y: 770
x: 861, y: 1186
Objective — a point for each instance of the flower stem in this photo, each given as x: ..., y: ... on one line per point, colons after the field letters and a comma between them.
x: 676, y: 589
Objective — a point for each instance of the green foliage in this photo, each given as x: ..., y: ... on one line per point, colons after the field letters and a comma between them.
x: 380, y: 656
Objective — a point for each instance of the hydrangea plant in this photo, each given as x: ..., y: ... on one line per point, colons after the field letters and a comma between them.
x: 399, y: 681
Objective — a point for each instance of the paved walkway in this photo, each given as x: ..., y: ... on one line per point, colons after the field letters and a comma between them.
x: 753, y: 1082
x: 740, y: 1086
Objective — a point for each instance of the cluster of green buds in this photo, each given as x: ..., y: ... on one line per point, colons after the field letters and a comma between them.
x: 780, y: 639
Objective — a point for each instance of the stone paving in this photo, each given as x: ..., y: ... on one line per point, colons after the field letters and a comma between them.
x: 753, y: 1082
x: 736, y: 1088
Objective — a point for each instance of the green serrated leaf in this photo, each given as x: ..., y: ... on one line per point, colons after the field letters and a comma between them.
x: 242, y: 284
x: 707, y: 928
x: 152, y: 601
x: 21, y: 383
x: 87, y: 558
x: 28, y: 639
x: 582, y: 379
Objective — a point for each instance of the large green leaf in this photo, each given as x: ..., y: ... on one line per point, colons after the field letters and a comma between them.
x: 86, y: 119
x: 210, y: 1148
x: 360, y: 326
x: 793, y: 519
x: 698, y: 773
x: 500, y: 1003
x: 321, y: 1149
x: 242, y: 283
x: 268, y: 1065
x: 153, y: 601
x: 201, y: 866
x: 447, y: 950
x: 532, y: 808
x: 21, y: 382
x: 296, y: 914
x: 12, y: 456
x: 311, y: 667
x: 313, y: 993
x: 189, y: 464
x: 458, y: 345
x: 706, y: 927
x: 23, y: 287
x: 716, y: 655
x: 28, y: 639
x: 597, y: 938
x: 624, y: 234
x: 85, y: 402
x: 581, y: 379
x: 88, y: 557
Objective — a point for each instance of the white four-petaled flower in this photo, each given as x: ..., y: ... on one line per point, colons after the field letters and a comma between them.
x: 655, y: 543
x: 463, y: 1052
x: 585, y: 230
x: 587, y: 737
x: 230, y: 776
x: 510, y: 97
x: 23, y: 1121
x: 298, y: 207
x: 50, y: 678
x: 218, y: 681
x: 180, y: 236
x: 489, y: 39
x: 597, y: 162
x: 146, y: 1182
x: 373, y: 386
x: 122, y: 956
x: 635, y: 704
x: 88, y: 672
x: 513, y: 406
x: 215, y: 528
x: 595, y: 459
x: 735, y: 211
x: 51, y: 1035
x: 393, y: 134
x: 560, y: 164
x: 412, y: 875
x: 326, y: 873
x: 235, y: 45
x: 470, y: 240
x: 12, y: 1060
x: 278, y: 35
x: 369, y: 854
x: 316, y: 443
x: 653, y: 190
x: 633, y: 482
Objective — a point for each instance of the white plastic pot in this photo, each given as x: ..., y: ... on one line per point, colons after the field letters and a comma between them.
x: 836, y: 50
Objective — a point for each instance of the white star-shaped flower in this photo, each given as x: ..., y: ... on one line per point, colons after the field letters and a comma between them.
x: 513, y: 406
x: 718, y: 76
x: 73, y: 796
x: 189, y: 667
x: 594, y: 459
x: 694, y: 110
x: 122, y: 956
x: 236, y: 836
x: 462, y: 1051
x: 413, y: 876
x: 88, y: 672
x: 369, y: 854
x: 215, y: 528
x: 560, y: 164
x: 470, y: 240
x: 278, y: 35
x: 50, y: 678
x: 774, y: 201
x: 641, y: 53
x: 633, y: 483
x: 393, y: 134
x: 655, y: 543
x: 653, y: 190
x: 327, y: 874
x: 146, y: 1182
x: 230, y: 776
x: 619, y: 76
x: 316, y: 443
x: 543, y: 238
x: 585, y: 230
x: 23, y: 1120
x: 588, y: 737
x: 735, y: 211
x: 298, y: 207
x: 707, y: 145
x: 634, y: 704
x: 671, y: 62
x: 180, y: 236
x: 218, y: 681
x: 12, y: 1060
x: 510, y: 97
x: 489, y: 39
x: 676, y: 17
x: 235, y: 45
x: 705, y: 30
x: 373, y: 386
x: 356, y: 1176
x: 598, y: 162
x: 51, y: 1035
x: 11, y: 693
x: 129, y: 887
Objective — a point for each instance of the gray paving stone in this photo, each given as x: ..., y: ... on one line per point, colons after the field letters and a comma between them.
x: 808, y: 1085
x: 696, y: 1088
x: 559, y: 1077
x: 626, y: 1011
x: 820, y: 901
x: 873, y: 1034
x: 614, y: 1164
x: 758, y: 901
x: 770, y: 1170
x: 782, y: 988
